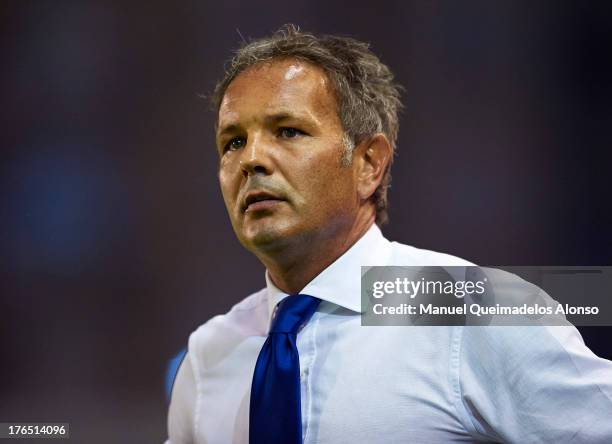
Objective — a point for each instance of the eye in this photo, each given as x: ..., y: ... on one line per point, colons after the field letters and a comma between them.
x: 235, y: 144
x: 290, y: 133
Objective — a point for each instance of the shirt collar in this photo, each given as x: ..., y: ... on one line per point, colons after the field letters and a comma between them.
x: 340, y: 282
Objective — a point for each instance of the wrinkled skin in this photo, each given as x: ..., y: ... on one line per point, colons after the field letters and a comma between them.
x: 290, y: 199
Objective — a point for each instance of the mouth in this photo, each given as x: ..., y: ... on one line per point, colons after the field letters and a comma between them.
x: 259, y: 201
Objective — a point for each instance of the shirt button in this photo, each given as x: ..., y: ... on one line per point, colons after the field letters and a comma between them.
x: 303, y: 373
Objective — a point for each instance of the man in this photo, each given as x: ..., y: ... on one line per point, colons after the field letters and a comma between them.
x: 306, y: 131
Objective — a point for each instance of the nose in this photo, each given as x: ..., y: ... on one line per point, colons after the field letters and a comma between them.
x: 256, y: 158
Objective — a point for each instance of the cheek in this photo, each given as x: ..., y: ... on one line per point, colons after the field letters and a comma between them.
x: 228, y: 187
x: 223, y: 184
x: 331, y: 187
x: 229, y: 168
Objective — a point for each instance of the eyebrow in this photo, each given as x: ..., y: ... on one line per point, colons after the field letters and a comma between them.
x: 273, y: 118
x: 228, y: 129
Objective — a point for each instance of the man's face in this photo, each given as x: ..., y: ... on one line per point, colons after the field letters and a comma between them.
x: 280, y: 144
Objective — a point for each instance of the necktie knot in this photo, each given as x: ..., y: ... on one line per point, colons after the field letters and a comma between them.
x: 293, y: 312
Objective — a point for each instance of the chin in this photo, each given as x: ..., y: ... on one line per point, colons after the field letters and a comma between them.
x: 270, y: 237
x: 263, y: 239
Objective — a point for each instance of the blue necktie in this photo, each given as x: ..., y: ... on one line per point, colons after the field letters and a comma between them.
x: 275, y: 413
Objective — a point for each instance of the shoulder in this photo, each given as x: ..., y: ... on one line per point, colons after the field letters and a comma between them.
x: 501, y: 368
x: 247, y: 318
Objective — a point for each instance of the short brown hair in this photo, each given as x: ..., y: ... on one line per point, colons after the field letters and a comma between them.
x: 368, y: 98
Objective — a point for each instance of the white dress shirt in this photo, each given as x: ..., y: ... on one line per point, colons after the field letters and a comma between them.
x: 413, y: 384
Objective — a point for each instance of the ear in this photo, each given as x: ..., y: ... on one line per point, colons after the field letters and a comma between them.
x: 372, y: 156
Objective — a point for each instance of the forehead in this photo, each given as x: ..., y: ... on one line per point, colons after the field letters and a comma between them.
x: 278, y: 86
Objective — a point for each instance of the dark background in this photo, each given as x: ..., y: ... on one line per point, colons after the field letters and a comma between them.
x: 115, y: 243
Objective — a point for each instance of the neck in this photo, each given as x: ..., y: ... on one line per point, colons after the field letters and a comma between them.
x: 292, y: 269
